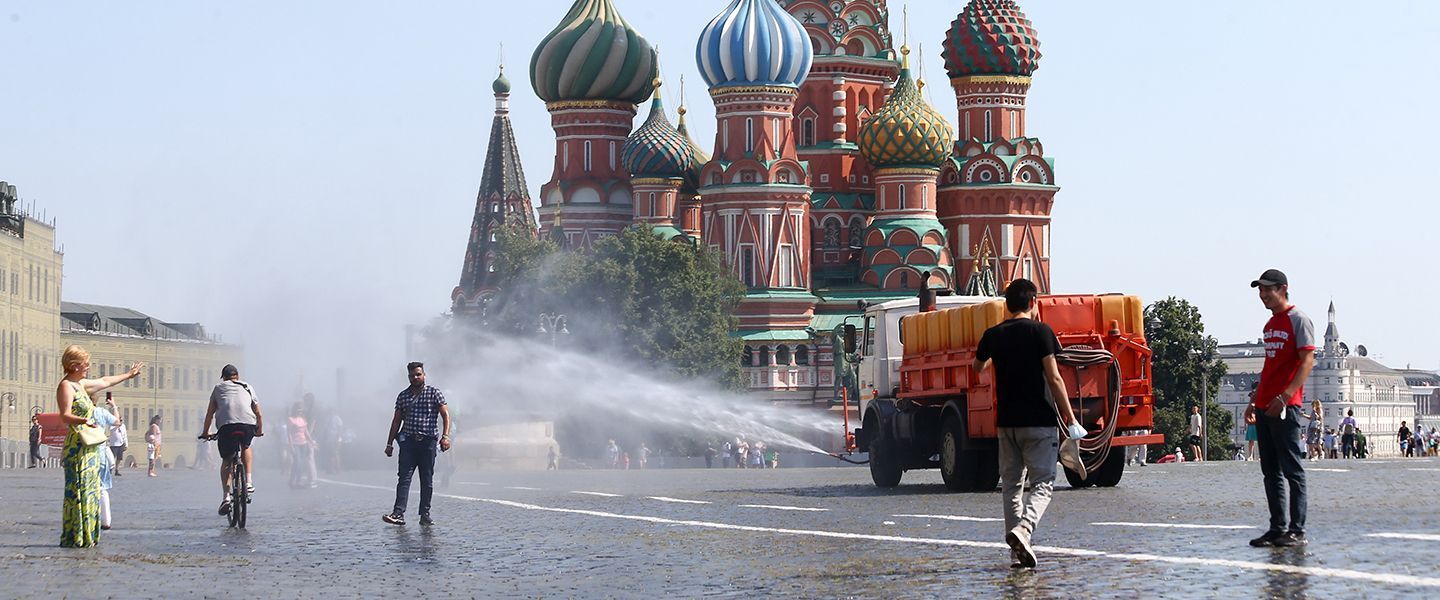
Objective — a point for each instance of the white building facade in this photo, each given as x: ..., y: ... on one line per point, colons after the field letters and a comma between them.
x: 1342, y: 381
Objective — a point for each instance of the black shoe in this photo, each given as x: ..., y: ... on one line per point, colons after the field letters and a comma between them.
x: 394, y: 519
x: 225, y: 507
x: 1290, y: 539
x: 1268, y: 539
x: 425, y: 520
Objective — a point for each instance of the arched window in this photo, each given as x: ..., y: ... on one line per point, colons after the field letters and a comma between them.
x: 857, y: 231
x: 924, y: 197
x: 807, y: 132
x: 904, y: 279
x: 782, y: 356
x: 802, y: 355
x: 749, y: 134
x: 651, y: 209
x: 612, y: 155
x: 764, y: 356
x: 587, y: 156
x: 747, y: 357
x: 901, y: 205
x: 832, y: 234
x: 725, y: 136
x: 989, y: 127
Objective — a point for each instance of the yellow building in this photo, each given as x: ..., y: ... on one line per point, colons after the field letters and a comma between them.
x: 182, y: 365
x: 30, y: 275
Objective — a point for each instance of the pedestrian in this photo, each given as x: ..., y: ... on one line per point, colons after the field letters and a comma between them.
x: 1315, y: 433
x: 1404, y: 437
x: 119, y: 436
x: 105, y: 420
x: 727, y: 451
x: 757, y: 455
x: 1347, y: 433
x: 554, y: 463
x: 1023, y: 351
x: 1250, y: 433
x: 1361, y: 444
x: 709, y: 455
x: 35, y: 441
x: 612, y: 454
x: 643, y: 454
x: 1329, y: 443
x: 330, y: 441
x: 81, y: 505
x: 774, y: 459
x: 302, y: 448
x: 1197, y: 430
x: 421, y: 418
x: 742, y: 455
x: 153, y: 439
x: 1289, y: 338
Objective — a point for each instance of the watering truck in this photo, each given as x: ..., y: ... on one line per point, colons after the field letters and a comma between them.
x: 922, y: 406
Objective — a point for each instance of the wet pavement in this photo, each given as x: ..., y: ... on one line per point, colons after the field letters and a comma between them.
x: 1167, y: 530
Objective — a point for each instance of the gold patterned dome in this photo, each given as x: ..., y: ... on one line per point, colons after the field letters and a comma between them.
x: 906, y: 131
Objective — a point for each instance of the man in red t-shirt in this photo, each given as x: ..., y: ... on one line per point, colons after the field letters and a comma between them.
x: 1289, y: 355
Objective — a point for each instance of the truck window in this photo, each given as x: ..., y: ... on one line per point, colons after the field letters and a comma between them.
x: 869, y: 348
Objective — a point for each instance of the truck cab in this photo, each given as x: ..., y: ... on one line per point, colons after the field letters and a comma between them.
x: 880, y: 348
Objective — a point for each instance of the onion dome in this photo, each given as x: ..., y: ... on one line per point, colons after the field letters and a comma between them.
x: 502, y: 83
x: 991, y: 37
x: 754, y: 42
x: 656, y: 148
x: 906, y: 131
x: 593, y: 54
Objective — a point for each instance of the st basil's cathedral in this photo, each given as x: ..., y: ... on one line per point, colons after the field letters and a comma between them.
x: 831, y: 179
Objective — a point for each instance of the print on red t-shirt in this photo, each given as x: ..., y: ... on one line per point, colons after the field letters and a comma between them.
x: 1286, y: 335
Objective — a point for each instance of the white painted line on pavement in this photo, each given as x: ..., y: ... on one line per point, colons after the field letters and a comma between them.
x: 676, y: 500
x: 522, y: 488
x: 1421, y: 469
x: 1424, y: 537
x: 1386, y: 578
x: 1171, y: 525
x: 600, y: 494
x: 472, y: 483
x: 1327, y: 470
x: 953, y: 518
x: 771, y: 506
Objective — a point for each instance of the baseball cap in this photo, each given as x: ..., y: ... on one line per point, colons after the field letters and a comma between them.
x: 1270, y: 278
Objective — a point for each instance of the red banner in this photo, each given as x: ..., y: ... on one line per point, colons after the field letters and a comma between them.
x: 52, y: 429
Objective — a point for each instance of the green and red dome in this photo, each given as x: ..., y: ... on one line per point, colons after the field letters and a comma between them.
x: 593, y: 54
x: 991, y: 37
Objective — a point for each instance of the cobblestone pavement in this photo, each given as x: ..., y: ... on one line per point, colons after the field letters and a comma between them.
x: 1173, y: 530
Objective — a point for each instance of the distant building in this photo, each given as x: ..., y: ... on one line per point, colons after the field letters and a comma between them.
x: 1425, y: 390
x: 30, y: 276
x: 1342, y: 381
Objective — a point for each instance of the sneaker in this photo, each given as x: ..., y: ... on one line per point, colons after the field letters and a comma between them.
x: 225, y: 507
x: 1268, y: 539
x: 394, y: 519
x: 425, y: 520
x: 1015, y: 562
x: 1289, y: 540
x: 1019, y: 541
x: 249, y: 489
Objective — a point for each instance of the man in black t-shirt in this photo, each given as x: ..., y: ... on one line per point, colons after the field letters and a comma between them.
x: 1023, y: 351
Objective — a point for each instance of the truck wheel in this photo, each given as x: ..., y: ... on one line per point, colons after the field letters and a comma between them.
x: 957, y: 466
x: 1114, y: 468
x: 884, y: 460
x: 1076, y: 481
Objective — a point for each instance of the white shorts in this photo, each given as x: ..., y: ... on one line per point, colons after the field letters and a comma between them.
x: 150, y: 451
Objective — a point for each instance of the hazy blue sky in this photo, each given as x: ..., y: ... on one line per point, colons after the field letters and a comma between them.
x: 301, y: 175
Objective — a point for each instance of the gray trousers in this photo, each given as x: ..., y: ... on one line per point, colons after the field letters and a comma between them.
x: 1028, y: 456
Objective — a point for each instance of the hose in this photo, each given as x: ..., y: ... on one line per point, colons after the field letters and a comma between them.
x: 1096, y: 447
x: 842, y: 458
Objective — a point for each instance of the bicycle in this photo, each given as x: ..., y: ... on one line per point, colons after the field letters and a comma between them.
x: 239, y: 496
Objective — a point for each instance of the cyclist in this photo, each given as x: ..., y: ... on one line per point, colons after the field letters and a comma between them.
x: 236, y: 413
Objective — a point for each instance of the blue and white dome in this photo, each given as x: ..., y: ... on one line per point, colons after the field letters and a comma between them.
x: 754, y: 42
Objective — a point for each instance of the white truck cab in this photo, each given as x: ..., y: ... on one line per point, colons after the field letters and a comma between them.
x: 880, y: 347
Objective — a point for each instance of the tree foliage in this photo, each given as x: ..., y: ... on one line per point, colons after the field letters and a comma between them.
x: 1184, y: 357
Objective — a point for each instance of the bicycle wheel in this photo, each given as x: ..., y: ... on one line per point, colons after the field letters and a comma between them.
x: 242, y: 502
x: 236, y: 489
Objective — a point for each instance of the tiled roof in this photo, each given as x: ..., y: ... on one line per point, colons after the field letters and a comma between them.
x: 117, y: 320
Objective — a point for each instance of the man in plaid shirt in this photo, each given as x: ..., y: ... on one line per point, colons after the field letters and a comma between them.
x: 419, y: 412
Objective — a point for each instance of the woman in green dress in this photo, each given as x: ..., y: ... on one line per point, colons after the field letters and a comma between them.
x: 81, y: 508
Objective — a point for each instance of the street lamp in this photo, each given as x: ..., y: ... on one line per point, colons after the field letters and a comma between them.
x: 552, y: 324
x: 8, y: 399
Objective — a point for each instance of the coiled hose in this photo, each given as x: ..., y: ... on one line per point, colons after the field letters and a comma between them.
x: 1094, y: 449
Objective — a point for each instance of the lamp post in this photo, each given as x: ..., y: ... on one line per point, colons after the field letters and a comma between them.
x: 8, y: 401
x: 553, y: 325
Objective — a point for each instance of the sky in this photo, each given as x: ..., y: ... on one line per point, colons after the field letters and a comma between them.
x: 301, y: 177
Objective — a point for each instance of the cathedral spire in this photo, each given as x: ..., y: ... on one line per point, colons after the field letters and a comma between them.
x: 503, y: 198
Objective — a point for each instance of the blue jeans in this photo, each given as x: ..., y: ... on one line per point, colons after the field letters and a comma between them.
x: 1280, y: 462
x: 415, y: 452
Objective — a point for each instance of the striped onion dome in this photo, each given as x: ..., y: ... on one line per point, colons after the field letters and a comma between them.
x: 656, y: 148
x: 593, y: 54
x: 754, y: 42
x: 991, y: 37
x: 906, y: 131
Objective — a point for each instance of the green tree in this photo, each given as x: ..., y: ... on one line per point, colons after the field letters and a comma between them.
x: 1184, y: 360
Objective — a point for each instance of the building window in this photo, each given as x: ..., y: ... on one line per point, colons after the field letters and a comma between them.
x: 989, y: 129
x: 565, y: 156
x: 492, y: 236
x: 725, y: 136
x: 786, y: 256
x: 587, y: 156
x: 824, y: 178
x: 747, y: 265
x: 612, y: 156
x: 1029, y: 269
x: 901, y: 204
x: 802, y: 355
x: 924, y: 197
x: 904, y: 279
x: 747, y: 357
x: 1015, y: 123
x: 764, y: 356
x: 807, y: 132
x: 749, y: 134
x: 782, y: 356
x: 832, y: 234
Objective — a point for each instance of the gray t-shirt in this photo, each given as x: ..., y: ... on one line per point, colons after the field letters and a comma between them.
x: 232, y: 400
